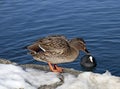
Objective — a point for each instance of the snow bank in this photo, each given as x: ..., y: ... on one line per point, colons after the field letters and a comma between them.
x: 15, y: 77
x: 89, y: 80
x: 12, y: 77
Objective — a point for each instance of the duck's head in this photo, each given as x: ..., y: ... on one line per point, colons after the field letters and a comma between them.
x: 79, y: 44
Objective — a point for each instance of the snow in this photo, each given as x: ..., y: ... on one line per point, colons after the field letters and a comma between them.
x: 89, y: 80
x: 16, y: 77
x: 12, y: 77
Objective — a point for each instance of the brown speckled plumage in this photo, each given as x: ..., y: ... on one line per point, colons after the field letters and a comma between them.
x: 57, y: 49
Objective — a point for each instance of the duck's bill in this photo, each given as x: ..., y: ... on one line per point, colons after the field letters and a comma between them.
x: 87, y: 51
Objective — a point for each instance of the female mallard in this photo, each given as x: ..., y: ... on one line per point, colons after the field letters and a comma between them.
x: 57, y: 49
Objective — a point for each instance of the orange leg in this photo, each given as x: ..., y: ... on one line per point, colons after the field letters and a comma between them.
x: 55, y: 69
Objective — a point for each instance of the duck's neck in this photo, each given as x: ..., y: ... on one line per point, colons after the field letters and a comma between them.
x: 75, y: 45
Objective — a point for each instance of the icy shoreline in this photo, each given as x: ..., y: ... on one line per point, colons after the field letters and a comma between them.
x: 31, y: 76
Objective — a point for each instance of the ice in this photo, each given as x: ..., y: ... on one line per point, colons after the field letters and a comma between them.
x: 15, y: 77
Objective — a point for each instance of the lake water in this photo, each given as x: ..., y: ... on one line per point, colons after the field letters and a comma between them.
x: 97, y: 21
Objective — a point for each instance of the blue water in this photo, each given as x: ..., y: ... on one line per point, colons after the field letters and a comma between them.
x: 97, y: 21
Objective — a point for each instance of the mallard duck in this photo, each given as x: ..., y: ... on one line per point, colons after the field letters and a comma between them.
x: 57, y: 49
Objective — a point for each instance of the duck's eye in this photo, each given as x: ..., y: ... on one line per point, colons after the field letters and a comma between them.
x: 91, y: 58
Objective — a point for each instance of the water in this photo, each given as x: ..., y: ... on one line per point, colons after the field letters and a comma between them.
x: 97, y: 21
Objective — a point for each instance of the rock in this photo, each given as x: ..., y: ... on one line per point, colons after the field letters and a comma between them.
x: 5, y: 61
x: 52, y: 86
x: 46, y: 68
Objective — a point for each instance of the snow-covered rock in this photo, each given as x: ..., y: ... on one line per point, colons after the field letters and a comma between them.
x: 13, y: 76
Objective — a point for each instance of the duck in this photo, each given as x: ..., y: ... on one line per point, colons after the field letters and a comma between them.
x: 55, y: 49
x: 88, y: 62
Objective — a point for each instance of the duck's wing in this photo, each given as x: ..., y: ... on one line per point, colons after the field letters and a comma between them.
x: 53, y: 44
